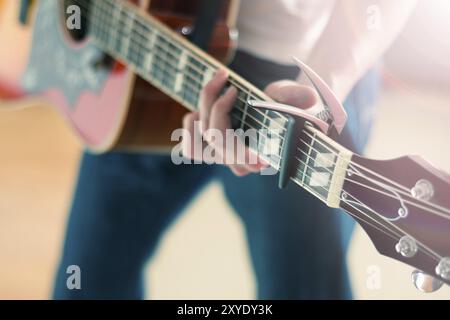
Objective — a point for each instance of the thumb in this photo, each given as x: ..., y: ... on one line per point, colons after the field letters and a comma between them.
x: 292, y: 93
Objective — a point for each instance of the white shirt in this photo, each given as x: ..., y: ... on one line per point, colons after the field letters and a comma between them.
x: 276, y: 30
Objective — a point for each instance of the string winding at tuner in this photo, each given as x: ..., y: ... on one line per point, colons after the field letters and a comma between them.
x: 391, y: 232
x: 445, y: 213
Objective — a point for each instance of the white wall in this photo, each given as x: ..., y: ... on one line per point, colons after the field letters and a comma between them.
x: 422, y: 53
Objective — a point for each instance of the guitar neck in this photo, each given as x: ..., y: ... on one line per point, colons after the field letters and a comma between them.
x: 179, y: 69
x: 156, y: 53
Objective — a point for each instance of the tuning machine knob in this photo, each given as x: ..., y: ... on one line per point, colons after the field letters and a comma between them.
x: 443, y: 268
x: 407, y: 247
x: 424, y: 282
x: 423, y: 190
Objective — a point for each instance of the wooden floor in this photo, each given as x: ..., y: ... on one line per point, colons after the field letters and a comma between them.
x: 38, y: 161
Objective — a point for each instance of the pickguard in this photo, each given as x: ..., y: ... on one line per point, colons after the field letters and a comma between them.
x: 56, y: 63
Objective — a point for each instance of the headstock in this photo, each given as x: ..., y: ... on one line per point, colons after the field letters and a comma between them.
x: 404, y: 206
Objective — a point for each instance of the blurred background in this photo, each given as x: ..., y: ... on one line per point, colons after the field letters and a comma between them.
x: 204, y: 255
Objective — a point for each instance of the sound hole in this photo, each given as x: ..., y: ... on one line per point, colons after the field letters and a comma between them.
x: 76, y: 22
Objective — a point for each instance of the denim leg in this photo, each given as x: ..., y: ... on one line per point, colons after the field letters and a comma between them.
x: 122, y: 205
x: 294, y: 240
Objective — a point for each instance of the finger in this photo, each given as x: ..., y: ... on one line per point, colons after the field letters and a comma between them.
x: 240, y: 156
x: 192, y: 148
x: 220, y: 122
x: 243, y: 170
x: 292, y: 93
x: 220, y: 118
x: 239, y: 170
x: 209, y: 95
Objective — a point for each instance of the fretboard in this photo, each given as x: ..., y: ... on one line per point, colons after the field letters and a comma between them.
x: 175, y: 66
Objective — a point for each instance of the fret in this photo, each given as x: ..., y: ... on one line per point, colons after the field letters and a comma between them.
x: 244, y: 115
x: 136, y: 51
x: 180, y: 77
x: 323, y: 166
x: 244, y: 95
x: 95, y: 27
x: 116, y: 24
x: 108, y: 33
x: 195, y: 72
x: 276, y: 126
x: 317, y: 177
x: 127, y: 22
x: 270, y: 124
x: 149, y: 44
x: 114, y: 16
x: 305, y: 160
x: 207, y: 76
x: 263, y: 135
x: 267, y: 124
x: 165, y: 60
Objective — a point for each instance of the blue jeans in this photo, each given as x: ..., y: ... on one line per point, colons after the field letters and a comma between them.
x: 125, y: 202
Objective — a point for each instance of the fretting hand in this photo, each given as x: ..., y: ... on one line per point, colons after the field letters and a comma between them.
x: 214, y: 114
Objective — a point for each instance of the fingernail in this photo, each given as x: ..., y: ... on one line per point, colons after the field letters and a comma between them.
x: 263, y: 164
x: 202, y: 127
x: 232, y: 90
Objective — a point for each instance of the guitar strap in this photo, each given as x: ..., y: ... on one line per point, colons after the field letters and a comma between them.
x: 207, y: 17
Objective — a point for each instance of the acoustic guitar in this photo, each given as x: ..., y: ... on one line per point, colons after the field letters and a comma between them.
x: 122, y: 80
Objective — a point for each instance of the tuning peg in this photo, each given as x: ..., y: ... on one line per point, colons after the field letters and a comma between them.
x: 425, y: 282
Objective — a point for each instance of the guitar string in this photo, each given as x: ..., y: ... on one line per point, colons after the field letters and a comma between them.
x: 378, y: 175
x: 426, y: 249
x: 166, y: 52
x: 397, y: 236
x: 378, y: 190
x: 374, y: 173
x: 262, y: 154
x: 393, y: 197
x: 368, y: 170
x: 430, y: 251
x: 441, y: 214
x: 388, y: 188
x: 319, y: 142
x: 437, y: 256
x: 390, y: 232
x: 401, y: 187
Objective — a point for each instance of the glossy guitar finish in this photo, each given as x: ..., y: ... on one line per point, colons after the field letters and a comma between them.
x: 14, y: 52
x: 107, y: 107
x: 406, y: 215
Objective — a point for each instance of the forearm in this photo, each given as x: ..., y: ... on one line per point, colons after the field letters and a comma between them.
x: 355, y: 40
